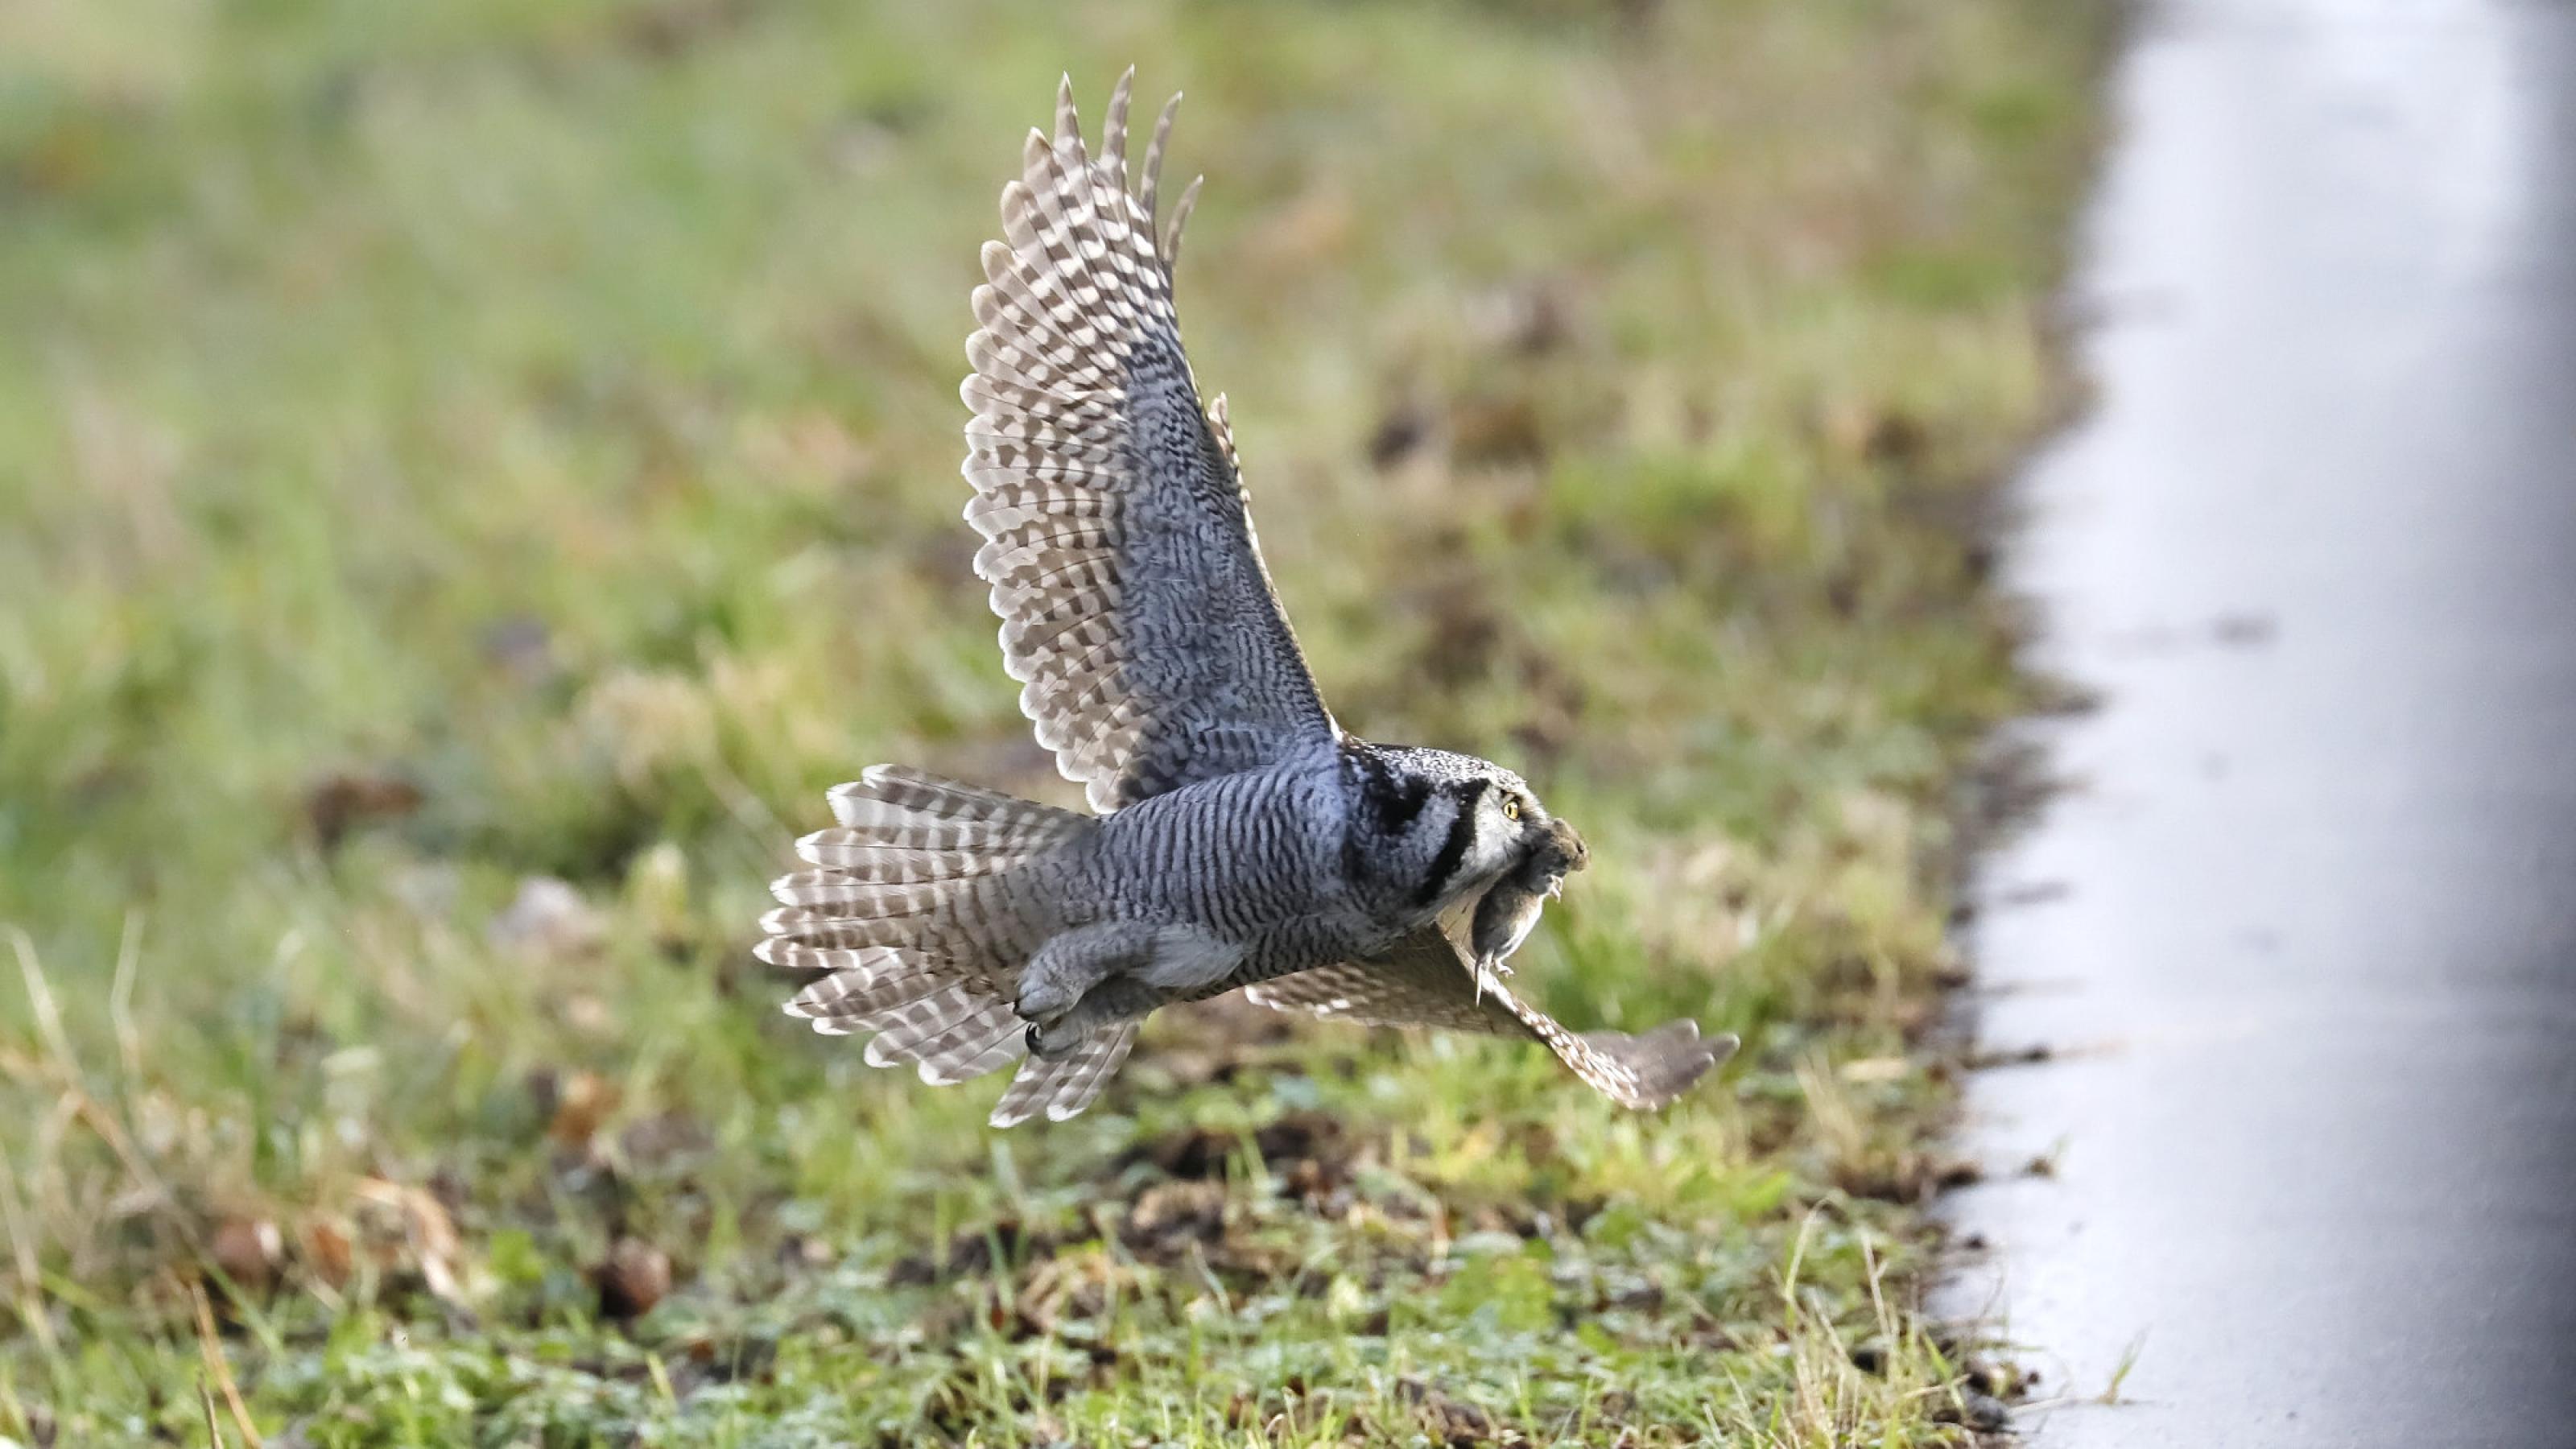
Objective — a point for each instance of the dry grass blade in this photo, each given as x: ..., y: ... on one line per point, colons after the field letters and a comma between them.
x: 40, y: 996
x: 206, y: 1402
x: 61, y: 1079
x: 27, y: 1271
x: 220, y: 1367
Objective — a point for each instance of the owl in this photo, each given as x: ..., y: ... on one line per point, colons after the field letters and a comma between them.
x: 1242, y: 840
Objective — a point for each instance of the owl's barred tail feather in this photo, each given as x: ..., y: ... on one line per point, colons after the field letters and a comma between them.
x: 1062, y: 1088
x: 908, y: 917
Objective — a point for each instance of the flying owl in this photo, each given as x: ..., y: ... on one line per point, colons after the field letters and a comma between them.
x: 1243, y: 840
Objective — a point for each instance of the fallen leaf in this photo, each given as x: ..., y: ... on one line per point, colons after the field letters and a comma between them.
x: 327, y: 1253
x: 548, y: 918
x: 339, y: 803
x: 581, y: 1102
x: 635, y: 1276
x: 410, y: 1228
x: 247, y: 1250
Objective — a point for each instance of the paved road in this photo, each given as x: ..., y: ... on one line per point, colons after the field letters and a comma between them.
x: 2303, y: 936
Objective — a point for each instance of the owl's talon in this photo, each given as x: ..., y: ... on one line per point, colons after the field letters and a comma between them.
x: 1043, y: 1047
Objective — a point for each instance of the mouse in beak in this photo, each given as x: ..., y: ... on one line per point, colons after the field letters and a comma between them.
x: 1511, y: 907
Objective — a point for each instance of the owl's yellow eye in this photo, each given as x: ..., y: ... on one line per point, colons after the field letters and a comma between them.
x: 1511, y: 810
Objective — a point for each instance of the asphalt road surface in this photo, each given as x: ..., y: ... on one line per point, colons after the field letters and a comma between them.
x: 2301, y: 933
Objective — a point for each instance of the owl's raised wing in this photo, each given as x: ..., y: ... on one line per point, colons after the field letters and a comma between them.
x: 1135, y: 607
x: 1425, y: 979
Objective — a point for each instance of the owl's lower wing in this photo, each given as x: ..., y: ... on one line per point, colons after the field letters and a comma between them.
x: 1421, y: 980
x: 1426, y: 980
x: 1135, y: 606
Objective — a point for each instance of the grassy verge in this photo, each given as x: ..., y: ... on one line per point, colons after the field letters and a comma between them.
x: 473, y: 474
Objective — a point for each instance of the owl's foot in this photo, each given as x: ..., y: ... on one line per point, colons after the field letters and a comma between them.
x: 1044, y: 999
x: 1118, y: 999
x: 1071, y: 963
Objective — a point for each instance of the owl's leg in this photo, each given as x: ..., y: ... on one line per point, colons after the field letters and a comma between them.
x: 1120, y: 998
x: 1071, y: 963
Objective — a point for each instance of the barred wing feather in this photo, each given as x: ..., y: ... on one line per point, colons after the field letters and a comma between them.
x: 1135, y: 608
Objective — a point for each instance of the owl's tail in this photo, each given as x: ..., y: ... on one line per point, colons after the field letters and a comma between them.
x: 911, y: 917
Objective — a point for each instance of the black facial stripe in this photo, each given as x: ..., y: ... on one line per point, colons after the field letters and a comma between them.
x: 1454, y: 849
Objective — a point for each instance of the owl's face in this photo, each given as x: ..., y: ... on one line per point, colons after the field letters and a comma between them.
x: 1431, y: 826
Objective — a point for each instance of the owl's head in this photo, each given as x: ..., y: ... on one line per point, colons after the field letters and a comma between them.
x: 1430, y: 826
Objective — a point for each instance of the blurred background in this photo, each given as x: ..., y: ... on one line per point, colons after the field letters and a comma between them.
x: 471, y: 476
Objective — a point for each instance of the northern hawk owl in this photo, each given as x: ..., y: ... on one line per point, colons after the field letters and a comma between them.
x: 1243, y: 838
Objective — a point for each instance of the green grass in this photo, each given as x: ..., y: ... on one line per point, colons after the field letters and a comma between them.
x: 448, y: 445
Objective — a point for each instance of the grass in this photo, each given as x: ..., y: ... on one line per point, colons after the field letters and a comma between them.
x: 451, y: 450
